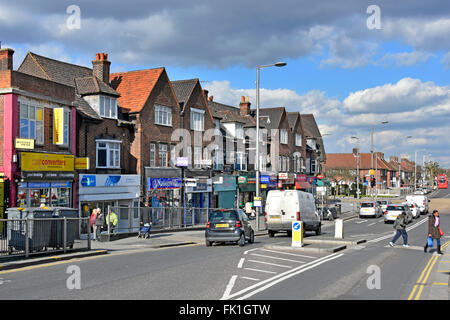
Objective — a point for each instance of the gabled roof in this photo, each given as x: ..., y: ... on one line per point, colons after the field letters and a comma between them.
x: 274, y: 115
x: 79, y: 77
x: 310, y: 125
x: 135, y: 87
x: 292, y: 118
x: 229, y: 113
x: 348, y: 161
x: 183, y: 88
x: 51, y: 69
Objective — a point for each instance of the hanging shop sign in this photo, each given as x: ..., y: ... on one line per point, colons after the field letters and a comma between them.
x: 81, y: 163
x: 58, y: 125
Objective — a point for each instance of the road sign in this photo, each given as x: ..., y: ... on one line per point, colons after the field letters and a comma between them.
x: 257, y: 203
x: 372, y: 172
x: 297, y: 234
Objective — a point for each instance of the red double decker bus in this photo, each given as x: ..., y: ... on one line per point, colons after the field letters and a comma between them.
x: 442, y: 181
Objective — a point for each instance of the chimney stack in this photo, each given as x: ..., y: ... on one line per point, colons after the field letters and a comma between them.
x: 355, y: 151
x: 6, y: 59
x: 101, y: 67
x: 211, y: 98
x: 245, y: 106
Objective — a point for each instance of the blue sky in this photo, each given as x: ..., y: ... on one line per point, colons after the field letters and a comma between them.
x: 348, y: 75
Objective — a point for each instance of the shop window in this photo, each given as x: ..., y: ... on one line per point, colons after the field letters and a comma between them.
x: 32, y: 123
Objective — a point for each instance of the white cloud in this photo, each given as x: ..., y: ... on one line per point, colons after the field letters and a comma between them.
x: 405, y: 58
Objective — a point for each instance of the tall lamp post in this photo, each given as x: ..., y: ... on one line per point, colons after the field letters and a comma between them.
x: 278, y: 64
x: 371, y: 145
x: 357, y: 170
x: 400, y: 165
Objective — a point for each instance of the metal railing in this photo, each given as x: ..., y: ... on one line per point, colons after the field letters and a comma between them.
x: 27, y: 237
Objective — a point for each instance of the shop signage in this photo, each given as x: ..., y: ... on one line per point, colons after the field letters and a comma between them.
x: 242, y: 179
x: 46, y: 162
x: 265, y: 179
x: 48, y: 175
x: 300, y: 177
x: 81, y: 163
x: 182, y: 162
x: 24, y: 143
x: 190, y: 182
x: 58, y: 125
x: 228, y: 184
x: 104, y: 180
x: 163, y: 183
x: 263, y: 186
x: 320, y: 176
x: 283, y: 175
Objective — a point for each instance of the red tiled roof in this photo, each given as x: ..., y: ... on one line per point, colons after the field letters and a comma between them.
x: 135, y: 87
x: 348, y: 161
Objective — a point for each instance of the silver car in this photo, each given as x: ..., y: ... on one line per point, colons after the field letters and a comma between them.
x: 370, y: 209
x: 415, y: 211
x: 394, y: 210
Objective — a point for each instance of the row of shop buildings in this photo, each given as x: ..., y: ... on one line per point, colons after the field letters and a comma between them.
x: 83, y: 137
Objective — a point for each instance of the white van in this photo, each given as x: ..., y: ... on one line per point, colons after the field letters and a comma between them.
x: 284, y: 206
x: 420, y: 200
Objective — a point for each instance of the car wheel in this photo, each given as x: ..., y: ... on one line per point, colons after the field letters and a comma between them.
x: 271, y: 234
x: 252, y: 237
x: 241, y: 241
x: 208, y: 243
x: 319, y: 230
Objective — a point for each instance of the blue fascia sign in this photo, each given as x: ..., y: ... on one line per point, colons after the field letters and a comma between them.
x: 163, y: 183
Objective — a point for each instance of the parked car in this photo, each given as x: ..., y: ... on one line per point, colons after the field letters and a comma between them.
x: 394, y: 210
x: 420, y: 200
x: 370, y: 209
x: 414, y: 209
x: 228, y: 225
x: 284, y: 206
x: 383, y: 205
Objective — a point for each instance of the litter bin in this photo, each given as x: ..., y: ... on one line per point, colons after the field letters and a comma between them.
x: 57, y: 230
x: 38, y: 230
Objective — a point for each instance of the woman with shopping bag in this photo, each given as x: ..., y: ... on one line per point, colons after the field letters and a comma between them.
x: 434, y: 231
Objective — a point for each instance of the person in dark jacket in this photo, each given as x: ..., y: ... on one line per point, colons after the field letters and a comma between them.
x: 434, y: 222
x: 400, y: 225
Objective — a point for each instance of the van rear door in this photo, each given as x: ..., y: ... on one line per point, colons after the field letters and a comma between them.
x: 290, y: 205
x: 273, y: 207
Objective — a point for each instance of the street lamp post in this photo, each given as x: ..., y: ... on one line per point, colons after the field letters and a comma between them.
x: 400, y: 165
x: 278, y: 64
x: 357, y: 170
x: 371, y: 146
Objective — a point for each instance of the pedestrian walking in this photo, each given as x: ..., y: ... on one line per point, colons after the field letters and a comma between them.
x: 111, y: 221
x: 434, y: 231
x: 400, y: 226
x: 93, y: 225
x: 99, y: 223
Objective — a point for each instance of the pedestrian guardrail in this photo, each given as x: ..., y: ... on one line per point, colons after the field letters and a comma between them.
x: 31, y: 236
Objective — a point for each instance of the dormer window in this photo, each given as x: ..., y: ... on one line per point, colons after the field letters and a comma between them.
x: 108, y: 107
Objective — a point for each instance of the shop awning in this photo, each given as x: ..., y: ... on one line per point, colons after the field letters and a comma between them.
x: 302, y: 185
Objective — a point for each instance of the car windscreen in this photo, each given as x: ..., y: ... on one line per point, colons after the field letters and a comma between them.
x: 384, y: 202
x: 223, y: 215
x: 393, y: 208
x: 367, y: 205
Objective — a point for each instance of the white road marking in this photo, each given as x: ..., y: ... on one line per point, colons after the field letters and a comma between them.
x: 258, y: 270
x: 362, y: 221
x: 248, y: 278
x: 245, y: 252
x: 371, y: 224
x: 390, y: 233
x: 290, y: 254
x: 284, y: 259
x: 241, y: 262
x: 271, y: 264
x: 282, y: 276
x: 229, y: 286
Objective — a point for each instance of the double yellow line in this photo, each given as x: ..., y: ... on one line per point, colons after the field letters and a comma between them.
x: 424, y: 276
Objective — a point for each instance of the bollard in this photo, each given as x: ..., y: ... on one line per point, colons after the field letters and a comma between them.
x: 339, y: 229
x: 297, y: 234
x: 65, y: 234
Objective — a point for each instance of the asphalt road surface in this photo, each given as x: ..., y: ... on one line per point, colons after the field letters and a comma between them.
x: 228, y: 272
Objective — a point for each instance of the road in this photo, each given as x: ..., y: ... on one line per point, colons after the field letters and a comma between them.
x: 230, y: 272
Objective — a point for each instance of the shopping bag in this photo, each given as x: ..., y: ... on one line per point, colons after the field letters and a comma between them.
x: 430, y: 242
x: 441, y: 232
